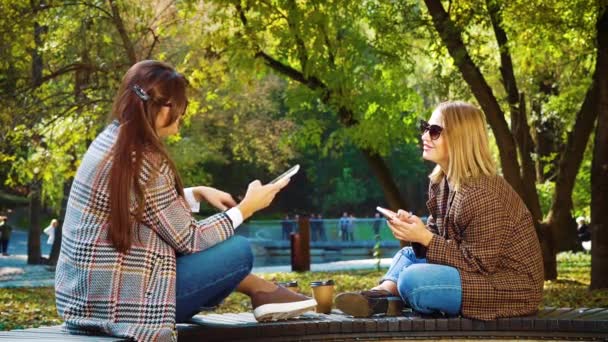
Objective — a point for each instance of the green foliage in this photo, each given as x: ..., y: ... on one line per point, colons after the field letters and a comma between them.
x: 54, y: 114
x: 545, y: 195
x: 360, y: 74
x: 349, y: 192
x: 581, y: 195
x: 357, y: 73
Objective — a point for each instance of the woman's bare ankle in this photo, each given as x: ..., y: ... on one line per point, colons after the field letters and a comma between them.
x: 387, y: 285
x: 266, y: 286
x: 252, y: 284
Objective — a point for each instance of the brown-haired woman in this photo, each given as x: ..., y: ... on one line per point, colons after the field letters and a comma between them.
x: 133, y: 260
x: 478, y: 254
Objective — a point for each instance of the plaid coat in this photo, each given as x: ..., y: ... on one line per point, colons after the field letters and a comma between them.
x: 98, y: 289
x: 486, y: 232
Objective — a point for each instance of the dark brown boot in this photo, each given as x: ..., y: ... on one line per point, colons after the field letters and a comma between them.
x: 368, y: 303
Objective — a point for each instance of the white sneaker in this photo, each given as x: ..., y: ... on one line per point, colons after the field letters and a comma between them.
x: 280, y: 304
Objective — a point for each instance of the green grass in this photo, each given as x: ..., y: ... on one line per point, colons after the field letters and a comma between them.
x: 32, y: 307
x: 22, y: 308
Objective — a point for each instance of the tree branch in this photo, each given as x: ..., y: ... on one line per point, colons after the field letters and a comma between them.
x: 330, y: 54
x: 519, y: 121
x: 576, y: 144
x: 300, y: 46
x: 345, y: 115
x: 69, y: 68
x: 452, y: 38
x: 311, y: 82
x: 506, y: 63
x: 156, y: 40
x: 124, y: 36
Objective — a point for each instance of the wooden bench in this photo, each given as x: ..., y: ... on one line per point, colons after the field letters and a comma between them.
x: 550, y: 323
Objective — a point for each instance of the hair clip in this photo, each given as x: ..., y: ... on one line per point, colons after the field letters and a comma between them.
x: 140, y: 92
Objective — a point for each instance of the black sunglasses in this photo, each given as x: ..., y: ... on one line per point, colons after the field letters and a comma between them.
x: 434, y: 130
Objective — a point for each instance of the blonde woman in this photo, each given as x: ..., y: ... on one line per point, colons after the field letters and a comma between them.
x: 478, y: 254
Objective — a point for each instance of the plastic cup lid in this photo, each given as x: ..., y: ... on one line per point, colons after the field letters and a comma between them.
x: 289, y: 283
x: 322, y: 282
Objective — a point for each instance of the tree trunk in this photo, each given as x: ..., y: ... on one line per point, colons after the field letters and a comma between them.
x: 519, y: 116
x: 56, y: 248
x: 124, y: 36
x: 383, y: 174
x: 81, y: 80
x: 599, y: 174
x: 547, y: 131
x: 560, y: 217
x: 34, y: 256
x: 548, y: 250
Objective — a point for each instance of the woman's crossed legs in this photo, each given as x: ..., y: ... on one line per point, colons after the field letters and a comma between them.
x: 206, y: 278
x: 426, y: 288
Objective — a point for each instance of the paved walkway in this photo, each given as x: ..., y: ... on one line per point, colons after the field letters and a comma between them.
x: 14, y: 271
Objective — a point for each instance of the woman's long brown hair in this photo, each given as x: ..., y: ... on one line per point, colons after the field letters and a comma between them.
x: 137, y: 139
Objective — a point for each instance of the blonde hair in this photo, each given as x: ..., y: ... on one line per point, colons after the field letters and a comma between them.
x: 466, y: 136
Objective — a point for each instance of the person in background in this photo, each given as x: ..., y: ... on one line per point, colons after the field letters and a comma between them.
x: 583, y: 233
x: 313, y: 227
x: 343, y: 224
x: 50, y: 231
x: 5, y: 234
x: 350, y: 227
x: 376, y: 225
x: 321, y: 225
x: 295, y: 224
x: 286, y: 227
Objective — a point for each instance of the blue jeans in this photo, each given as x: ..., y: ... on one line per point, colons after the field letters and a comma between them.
x: 205, y: 278
x: 426, y: 288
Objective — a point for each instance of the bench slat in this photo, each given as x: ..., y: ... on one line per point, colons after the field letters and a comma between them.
x: 581, y: 323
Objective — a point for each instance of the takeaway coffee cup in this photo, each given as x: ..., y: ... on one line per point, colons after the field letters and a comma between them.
x: 323, y: 293
x: 290, y: 285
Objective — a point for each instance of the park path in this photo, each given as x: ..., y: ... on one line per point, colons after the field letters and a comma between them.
x: 15, y: 272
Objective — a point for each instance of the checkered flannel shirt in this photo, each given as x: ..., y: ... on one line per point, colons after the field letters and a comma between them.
x: 487, y: 233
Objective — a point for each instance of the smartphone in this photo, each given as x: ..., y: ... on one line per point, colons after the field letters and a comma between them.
x: 287, y: 174
x: 389, y: 214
